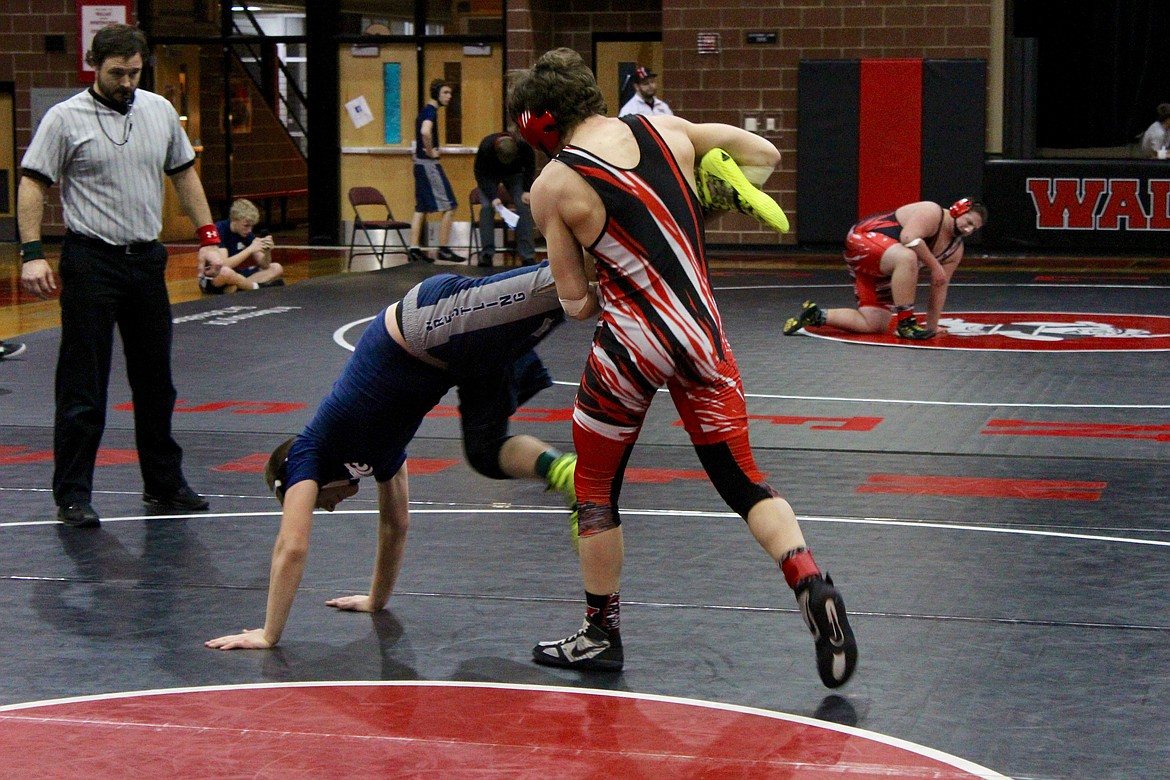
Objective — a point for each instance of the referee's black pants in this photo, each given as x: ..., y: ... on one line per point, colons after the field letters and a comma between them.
x: 102, y: 287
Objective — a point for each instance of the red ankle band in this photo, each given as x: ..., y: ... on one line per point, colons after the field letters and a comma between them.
x: 798, y: 566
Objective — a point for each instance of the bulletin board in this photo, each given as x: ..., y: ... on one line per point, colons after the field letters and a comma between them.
x: 91, y: 17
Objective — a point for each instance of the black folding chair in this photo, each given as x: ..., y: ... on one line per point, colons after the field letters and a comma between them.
x: 475, y: 202
x: 372, y: 196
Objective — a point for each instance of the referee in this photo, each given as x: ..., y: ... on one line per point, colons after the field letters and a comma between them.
x: 109, y: 148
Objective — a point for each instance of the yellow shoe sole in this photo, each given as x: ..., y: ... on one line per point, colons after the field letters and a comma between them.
x: 723, y: 187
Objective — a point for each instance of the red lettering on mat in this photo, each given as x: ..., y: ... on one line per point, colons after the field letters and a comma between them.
x: 981, y: 487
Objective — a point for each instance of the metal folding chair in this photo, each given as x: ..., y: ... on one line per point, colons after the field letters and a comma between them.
x: 372, y: 196
x: 475, y: 202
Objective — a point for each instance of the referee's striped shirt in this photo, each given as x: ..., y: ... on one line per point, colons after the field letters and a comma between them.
x: 110, y: 164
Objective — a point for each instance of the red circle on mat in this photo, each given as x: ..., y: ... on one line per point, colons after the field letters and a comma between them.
x: 384, y: 729
x: 1032, y: 331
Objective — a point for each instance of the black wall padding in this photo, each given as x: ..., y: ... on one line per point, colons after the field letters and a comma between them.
x: 954, y: 129
x: 828, y: 95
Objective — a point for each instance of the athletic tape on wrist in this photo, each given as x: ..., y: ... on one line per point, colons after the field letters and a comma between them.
x: 31, y: 250
x: 208, y: 236
x: 573, y: 307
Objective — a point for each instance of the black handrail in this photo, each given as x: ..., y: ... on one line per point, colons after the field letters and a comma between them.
x: 294, y: 112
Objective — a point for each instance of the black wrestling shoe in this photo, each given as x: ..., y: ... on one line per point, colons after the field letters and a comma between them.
x: 810, y: 314
x: 592, y: 649
x: 10, y: 349
x: 206, y: 286
x: 823, y: 611
x: 270, y: 283
x: 419, y: 256
x: 910, y: 329
x: 447, y: 256
x: 79, y: 515
x: 184, y: 498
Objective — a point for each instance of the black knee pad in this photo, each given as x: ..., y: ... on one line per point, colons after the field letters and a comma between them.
x: 484, y: 456
x: 740, y: 493
x: 595, y: 518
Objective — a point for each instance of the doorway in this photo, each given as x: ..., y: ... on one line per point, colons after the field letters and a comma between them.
x: 7, y: 163
x: 615, y: 60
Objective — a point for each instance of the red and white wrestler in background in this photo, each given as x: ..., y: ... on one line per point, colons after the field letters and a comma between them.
x: 885, y: 253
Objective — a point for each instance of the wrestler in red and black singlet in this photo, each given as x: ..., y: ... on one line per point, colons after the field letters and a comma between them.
x: 867, y: 242
x: 659, y: 323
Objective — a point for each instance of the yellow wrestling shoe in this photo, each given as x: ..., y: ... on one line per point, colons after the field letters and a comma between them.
x: 724, y: 187
x: 560, y: 479
x: 810, y: 314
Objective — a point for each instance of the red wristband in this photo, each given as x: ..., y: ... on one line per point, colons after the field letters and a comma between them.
x: 208, y: 236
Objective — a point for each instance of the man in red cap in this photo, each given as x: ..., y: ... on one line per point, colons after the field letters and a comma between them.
x: 643, y: 102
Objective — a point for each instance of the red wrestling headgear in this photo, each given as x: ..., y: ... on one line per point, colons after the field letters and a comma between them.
x: 960, y: 207
x: 539, y: 131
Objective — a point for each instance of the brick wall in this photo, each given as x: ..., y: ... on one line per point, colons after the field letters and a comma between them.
x: 529, y: 32
x: 24, y: 26
x: 756, y: 80
x: 742, y: 80
x: 575, y: 21
x: 760, y: 80
x: 535, y: 26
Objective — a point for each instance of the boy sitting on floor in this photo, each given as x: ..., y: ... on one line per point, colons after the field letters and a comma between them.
x: 248, y: 265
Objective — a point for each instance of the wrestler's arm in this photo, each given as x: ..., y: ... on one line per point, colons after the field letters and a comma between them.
x: 559, y: 204
x: 919, y: 222
x: 938, y: 293
x: 288, y: 566
x: 393, y: 522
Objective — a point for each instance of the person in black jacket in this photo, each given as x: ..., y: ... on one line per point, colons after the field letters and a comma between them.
x: 504, y: 159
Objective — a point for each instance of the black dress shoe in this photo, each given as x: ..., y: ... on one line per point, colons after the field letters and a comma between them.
x: 183, y: 498
x: 79, y: 515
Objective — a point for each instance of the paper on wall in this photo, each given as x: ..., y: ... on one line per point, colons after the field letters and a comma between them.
x: 359, y: 111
